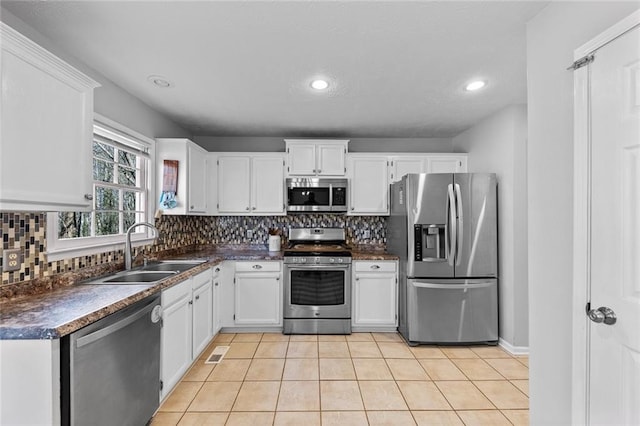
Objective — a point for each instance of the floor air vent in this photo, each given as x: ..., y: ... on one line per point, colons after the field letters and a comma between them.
x: 217, y: 355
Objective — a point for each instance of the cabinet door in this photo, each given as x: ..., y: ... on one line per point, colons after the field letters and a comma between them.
x: 257, y: 299
x: 176, y: 341
x: 453, y: 164
x: 215, y: 305
x: 375, y: 299
x: 302, y: 159
x: 401, y: 166
x: 330, y: 160
x: 234, y: 184
x: 47, y: 122
x: 267, y: 189
x: 197, y: 179
x: 202, y: 316
x: 369, y: 185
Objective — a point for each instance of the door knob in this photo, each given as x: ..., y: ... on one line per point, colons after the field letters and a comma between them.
x: 602, y: 314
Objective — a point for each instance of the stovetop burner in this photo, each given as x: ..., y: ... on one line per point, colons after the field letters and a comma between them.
x: 317, y: 242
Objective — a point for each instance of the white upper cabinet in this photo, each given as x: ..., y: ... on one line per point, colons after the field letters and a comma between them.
x: 400, y: 165
x: 267, y: 187
x: 316, y: 157
x: 404, y: 164
x: 250, y: 183
x: 47, y: 122
x: 234, y: 184
x: 369, y: 189
x: 456, y: 163
x: 191, y: 195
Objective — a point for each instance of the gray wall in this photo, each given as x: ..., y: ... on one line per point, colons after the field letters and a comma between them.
x: 552, y: 37
x: 267, y: 144
x: 498, y: 145
x: 110, y: 100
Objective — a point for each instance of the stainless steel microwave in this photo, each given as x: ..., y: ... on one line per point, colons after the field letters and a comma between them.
x: 317, y: 195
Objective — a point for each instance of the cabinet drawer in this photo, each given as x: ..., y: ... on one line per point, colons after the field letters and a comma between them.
x: 374, y: 266
x: 201, y: 279
x: 175, y: 293
x: 257, y: 266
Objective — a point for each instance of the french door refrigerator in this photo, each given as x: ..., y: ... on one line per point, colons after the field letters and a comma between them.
x: 443, y: 226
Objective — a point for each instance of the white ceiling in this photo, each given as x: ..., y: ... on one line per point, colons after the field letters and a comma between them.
x: 242, y: 68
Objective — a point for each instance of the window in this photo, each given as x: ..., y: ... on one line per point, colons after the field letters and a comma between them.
x: 121, y: 187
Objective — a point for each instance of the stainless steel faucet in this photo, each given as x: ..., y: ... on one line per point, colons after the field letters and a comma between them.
x: 127, y: 243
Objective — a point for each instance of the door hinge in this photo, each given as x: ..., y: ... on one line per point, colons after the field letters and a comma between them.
x: 234, y: 317
x: 287, y: 169
x: 161, y: 385
x: 283, y: 163
x: 288, y: 151
x: 218, y: 162
x: 345, y: 170
x: 218, y: 206
x: 587, y: 308
x: 234, y: 280
x: 586, y: 60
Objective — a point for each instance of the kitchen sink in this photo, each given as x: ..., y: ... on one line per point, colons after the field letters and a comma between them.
x: 172, y: 265
x: 138, y: 277
x: 148, y: 274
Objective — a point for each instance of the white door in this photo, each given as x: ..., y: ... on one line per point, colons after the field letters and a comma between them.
x: 401, y: 166
x: 614, y: 349
x: 197, y: 185
x: 267, y: 189
x: 234, y: 184
x: 369, y: 185
x: 446, y: 165
x: 302, y: 159
x: 202, y: 314
x: 257, y: 299
x: 330, y: 160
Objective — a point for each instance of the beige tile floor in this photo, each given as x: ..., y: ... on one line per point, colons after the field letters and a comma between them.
x: 360, y: 379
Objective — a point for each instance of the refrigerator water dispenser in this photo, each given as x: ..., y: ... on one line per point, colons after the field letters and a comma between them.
x: 430, y: 242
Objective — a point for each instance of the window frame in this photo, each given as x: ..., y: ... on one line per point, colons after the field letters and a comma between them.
x: 58, y: 249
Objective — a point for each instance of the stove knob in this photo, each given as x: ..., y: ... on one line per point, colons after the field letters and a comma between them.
x: 332, y: 260
x: 339, y: 260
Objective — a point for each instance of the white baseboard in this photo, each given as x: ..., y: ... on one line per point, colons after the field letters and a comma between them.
x: 513, y: 350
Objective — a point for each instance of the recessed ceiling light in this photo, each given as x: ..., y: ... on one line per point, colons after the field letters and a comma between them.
x: 319, y: 84
x: 475, y: 85
x: 159, y: 81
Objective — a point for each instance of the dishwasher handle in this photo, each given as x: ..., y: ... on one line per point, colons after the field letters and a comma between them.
x: 110, y: 329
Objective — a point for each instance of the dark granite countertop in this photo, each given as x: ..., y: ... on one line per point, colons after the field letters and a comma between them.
x: 53, y: 313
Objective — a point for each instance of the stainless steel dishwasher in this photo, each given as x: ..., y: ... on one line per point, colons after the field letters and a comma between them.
x: 111, y: 368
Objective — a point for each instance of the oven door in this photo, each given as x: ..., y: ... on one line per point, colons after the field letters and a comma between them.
x: 317, y: 291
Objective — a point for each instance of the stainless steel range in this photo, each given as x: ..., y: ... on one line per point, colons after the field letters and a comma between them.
x: 317, y: 278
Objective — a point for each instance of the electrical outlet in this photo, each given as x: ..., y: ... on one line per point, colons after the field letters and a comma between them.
x: 249, y: 233
x: 366, y: 234
x: 11, y: 260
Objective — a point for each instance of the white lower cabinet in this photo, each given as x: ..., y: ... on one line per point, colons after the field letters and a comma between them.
x: 187, y: 326
x: 375, y: 295
x: 258, y: 293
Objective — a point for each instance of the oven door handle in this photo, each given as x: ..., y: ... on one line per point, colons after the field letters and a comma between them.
x: 332, y: 266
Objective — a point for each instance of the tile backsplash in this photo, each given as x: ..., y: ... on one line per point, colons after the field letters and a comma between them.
x: 26, y: 231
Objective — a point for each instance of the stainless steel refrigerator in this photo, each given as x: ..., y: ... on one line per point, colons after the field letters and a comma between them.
x: 444, y: 227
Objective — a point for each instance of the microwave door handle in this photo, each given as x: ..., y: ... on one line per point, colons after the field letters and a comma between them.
x: 330, y: 195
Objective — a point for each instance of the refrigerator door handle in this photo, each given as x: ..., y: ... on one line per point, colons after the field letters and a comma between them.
x: 452, y: 230
x: 460, y: 223
x: 451, y: 286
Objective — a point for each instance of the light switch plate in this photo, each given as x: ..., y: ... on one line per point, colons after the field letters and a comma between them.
x: 11, y: 260
x: 366, y: 234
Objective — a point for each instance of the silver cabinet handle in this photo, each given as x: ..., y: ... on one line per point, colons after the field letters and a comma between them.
x: 88, y: 196
x: 191, y: 302
x: 352, y: 208
x: 247, y: 209
x: 198, y: 297
x: 319, y: 171
x: 257, y: 266
x: 216, y: 284
x: 375, y: 267
x: 253, y: 208
x: 602, y: 314
x: 192, y: 207
x: 217, y: 269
